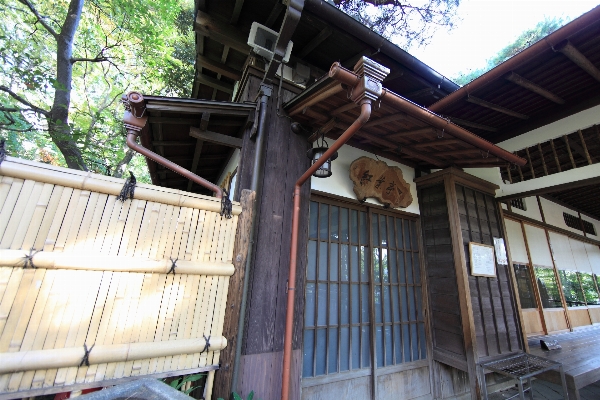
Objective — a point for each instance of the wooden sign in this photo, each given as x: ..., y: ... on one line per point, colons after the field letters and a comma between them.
x: 373, y: 178
x: 483, y: 262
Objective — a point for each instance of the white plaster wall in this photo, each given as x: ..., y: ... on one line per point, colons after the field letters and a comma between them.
x: 554, y: 215
x: 339, y: 182
x: 596, y: 224
x: 581, y: 120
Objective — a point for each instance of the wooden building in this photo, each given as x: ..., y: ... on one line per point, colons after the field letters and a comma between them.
x: 387, y: 302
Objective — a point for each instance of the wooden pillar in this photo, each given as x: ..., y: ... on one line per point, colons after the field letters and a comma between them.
x: 473, y: 318
x: 260, y: 366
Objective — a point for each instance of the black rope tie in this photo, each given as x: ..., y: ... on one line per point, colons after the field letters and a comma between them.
x: 28, y: 259
x: 225, y: 205
x: 2, y: 150
x: 173, y: 265
x: 128, y: 188
x: 86, y: 357
x: 207, y: 345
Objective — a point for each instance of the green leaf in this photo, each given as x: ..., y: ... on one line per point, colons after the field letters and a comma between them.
x: 189, y: 378
x: 237, y: 396
x: 250, y: 395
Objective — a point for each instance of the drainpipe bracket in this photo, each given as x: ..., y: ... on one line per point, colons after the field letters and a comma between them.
x: 134, y: 124
x: 266, y: 90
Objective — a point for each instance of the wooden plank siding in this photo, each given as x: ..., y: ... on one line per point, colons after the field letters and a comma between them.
x: 285, y: 162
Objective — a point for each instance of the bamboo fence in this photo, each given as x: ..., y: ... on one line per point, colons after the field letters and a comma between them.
x: 143, y: 281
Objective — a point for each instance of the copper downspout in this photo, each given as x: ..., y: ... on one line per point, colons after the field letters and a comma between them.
x: 135, y: 121
x: 534, y: 50
x: 350, y: 78
x: 366, y: 87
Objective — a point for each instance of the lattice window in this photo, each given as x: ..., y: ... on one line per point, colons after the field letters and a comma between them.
x: 574, y: 222
x: 348, y: 249
x: 519, y: 203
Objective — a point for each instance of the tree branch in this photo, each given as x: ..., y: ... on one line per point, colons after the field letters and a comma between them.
x: 95, y: 59
x: 23, y: 101
x: 40, y: 19
x: 10, y: 109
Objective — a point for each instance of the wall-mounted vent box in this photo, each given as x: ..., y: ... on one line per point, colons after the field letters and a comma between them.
x: 263, y: 40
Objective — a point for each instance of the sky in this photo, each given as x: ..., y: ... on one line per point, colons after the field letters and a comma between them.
x: 487, y: 26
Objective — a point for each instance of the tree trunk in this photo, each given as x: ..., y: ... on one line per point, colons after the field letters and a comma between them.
x: 58, y: 119
x: 123, y: 163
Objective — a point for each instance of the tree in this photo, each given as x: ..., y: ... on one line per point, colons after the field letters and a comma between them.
x: 64, y: 65
x: 406, y: 22
x: 524, y: 40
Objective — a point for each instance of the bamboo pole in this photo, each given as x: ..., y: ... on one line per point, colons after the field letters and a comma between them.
x: 22, y: 169
x: 72, y: 356
x: 100, y: 262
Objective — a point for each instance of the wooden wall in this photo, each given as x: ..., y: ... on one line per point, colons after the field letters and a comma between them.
x: 285, y: 162
x: 447, y: 334
x: 494, y: 308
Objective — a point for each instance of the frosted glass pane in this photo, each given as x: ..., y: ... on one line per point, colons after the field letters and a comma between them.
x: 366, y: 347
x: 562, y: 252
x: 415, y: 342
x: 392, y: 241
x: 333, y: 350
x: 322, y: 304
x: 309, y: 309
x: 377, y: 304
x: 311, y: 268
x: 344, y: 263
x: 308, y: 359
x: 355, y: 347
x: 333, y: 262
x: 334, y: 232
x: 333, y: 304
x: 323, y: 221
x: 401, y: 267
x: 354, y: 226
x: 321, y: 354
x: 375, y: 229
x: 355, y: 304
x: 516, y: 242
x: 365, y: 302
x: 387, y: 311
x: 395, y: 304
x: 364, y: 264
x: 538, y: 246
x: 323, y: 261
x: 383, y: 230
x: 344, y: 230
x: 344, y: 349
x: 376, y: 265
x: 385, y: 272
x: 398, y: 343
x: 579, y: 254
x: 593, y: 253
x: 393, y: 267
x: 411, y: 303
x: 404, y: 303
x: 314, y: 214
x: 379, y: 346
x: 389, y: 354
x: 406, y: 342
x: 364, y: 236
x: 354, y: 263
x: 345, y: 304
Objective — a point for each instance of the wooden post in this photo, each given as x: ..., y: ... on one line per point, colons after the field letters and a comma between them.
x: 222, y: 381
x: 585, y: 149
x: 555, y: 155
x: 539, y: 146
x: 530, y: 163
x: 566, y: 139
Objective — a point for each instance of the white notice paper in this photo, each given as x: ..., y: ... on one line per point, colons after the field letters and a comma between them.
x: 483, y: 262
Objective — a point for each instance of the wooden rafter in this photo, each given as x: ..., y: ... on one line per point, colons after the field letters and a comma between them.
x: 215, y: 83
x: 219, y: 68
x: 237, y: 9
x: 519, y: 80
x: 414, y: 132
x: 495, y: 107
x: 222, y: 32
x: 215, y: 137
x: 274, y: 14
x: 470, y: 124
x: 316, y: 41
x: 385, y: 120
x: 578, y: 58
x: 170, y: 143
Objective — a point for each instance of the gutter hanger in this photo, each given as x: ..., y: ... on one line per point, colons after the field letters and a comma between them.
x: 135, y: 121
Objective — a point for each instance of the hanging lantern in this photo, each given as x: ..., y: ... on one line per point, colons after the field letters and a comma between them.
x: 316, y: 153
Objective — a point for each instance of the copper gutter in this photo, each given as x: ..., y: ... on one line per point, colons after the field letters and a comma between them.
x: 534, y: 50
x: 365, y: 88
x: 350, y: 78
x: 135, y: 121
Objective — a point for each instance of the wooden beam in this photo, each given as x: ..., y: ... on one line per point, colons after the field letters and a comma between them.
x: 237, y: 9
x: 439, y: 142
x: 558, y: 166
x: 193, y: 121
x: 396, y: 73
x: 317, y: 40
x: 195, y: 161
x: 323, y: 130
x: 385, y: 120
x: 551, y: 189
x: 215, y: 83
x: 219, y: 68
x: 204, y: 121
x: 529, y: 162
x: 344, y: 108
x: 578, y: 58
x: 222, y: 32
x: 275, y: 12
x: 458, y: 152
x: 419, y: 92
x: 583, y: 150
x: 464, y: 122
x: 495, y: 107
x: 414, y: 132
x: 566, y: 139
x: 170, y: 143
x: 328, y: 91
x: 214, y: 137
x: 539, y: 146
x: 519, y: 80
